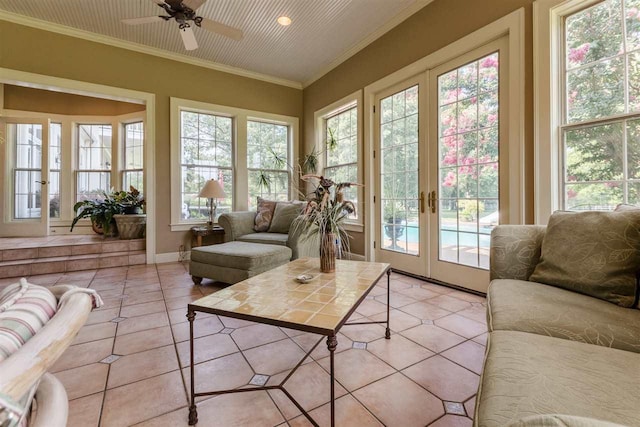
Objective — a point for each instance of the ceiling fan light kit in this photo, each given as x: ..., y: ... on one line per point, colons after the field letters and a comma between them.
x: 184, y: 13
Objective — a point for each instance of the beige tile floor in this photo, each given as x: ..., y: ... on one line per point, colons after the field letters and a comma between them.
x: 129, y: 364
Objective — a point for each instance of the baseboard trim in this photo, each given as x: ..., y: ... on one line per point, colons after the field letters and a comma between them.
x: 441, y: 283
x: 173, y: 257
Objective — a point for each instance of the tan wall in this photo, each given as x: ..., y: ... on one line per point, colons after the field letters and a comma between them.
x: 46, y: 101
x: 434, y: 27
x: 36, y: 51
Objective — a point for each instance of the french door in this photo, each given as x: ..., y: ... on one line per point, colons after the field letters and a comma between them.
x: 25, y: 177
x: 439, y: 168
x: 400, y: 154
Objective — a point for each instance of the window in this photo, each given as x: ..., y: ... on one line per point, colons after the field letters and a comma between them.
x: 93, y: 176
x: 339, y: 144
x: 234, y: 146
x: 27, y: 143
x: 267, y: 161
x: 600, y: 132
x: 55, y: 162
x: 341, y: 154
x: 206, y: 153
x: 588, y: 117
x: 132, y: 174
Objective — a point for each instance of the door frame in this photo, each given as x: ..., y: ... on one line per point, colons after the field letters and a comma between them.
x: 39, y: 81
x: 27, y: 227
x: 512, y: 26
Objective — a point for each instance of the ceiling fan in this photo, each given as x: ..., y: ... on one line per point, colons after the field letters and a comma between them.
x: 184, y: 12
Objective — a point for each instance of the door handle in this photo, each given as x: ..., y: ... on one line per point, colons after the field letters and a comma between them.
x: 42, y: 182
x: 422, y: 202
x: 433, y: 201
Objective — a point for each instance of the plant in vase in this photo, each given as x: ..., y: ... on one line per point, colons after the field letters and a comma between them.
x: 324, y: 217
x: 131, y: 221
x: 394, y: 217
x: 100, y: 211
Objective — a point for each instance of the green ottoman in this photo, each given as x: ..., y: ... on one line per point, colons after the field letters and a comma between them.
x: 233, y: 262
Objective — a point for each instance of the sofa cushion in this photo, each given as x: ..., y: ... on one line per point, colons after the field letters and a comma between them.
x: 24, y: 310
x: 517, y: 305
x: 593, y: 253
x: 268, y: 238
x: 528, y: 374
x: 242, y: 255
x: 560, y: 420
x: 284, y: 216
x: 265, y: 214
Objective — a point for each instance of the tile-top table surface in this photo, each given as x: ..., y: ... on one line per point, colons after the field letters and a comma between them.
x: 275, y: 297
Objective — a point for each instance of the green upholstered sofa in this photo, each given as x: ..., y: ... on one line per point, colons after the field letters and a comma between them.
x: 239, y: 226
x: 246, y: 252
x: 554, y: 357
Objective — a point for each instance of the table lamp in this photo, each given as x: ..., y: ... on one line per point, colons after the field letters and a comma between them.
x: 212, y: 190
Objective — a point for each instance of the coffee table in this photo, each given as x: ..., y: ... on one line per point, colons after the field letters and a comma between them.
x: 321, y: 306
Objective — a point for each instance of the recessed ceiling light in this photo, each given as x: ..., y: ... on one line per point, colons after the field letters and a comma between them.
x: 284, y: 21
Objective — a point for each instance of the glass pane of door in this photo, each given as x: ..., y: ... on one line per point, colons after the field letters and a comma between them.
x: 399, y: 191
x: 468, y: 161
x: 27, y: 170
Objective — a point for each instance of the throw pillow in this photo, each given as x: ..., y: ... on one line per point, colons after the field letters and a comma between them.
x: 264, y: 215
x: 624, y: 207
x: 284, y: 215
x: 592, y: 253
x: 24, y: 310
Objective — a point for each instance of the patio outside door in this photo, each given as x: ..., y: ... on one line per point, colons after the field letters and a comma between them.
x: 25, y: 177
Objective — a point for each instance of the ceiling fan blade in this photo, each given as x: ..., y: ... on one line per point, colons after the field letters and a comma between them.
x: 159, y: 2
x: 219, y: 28
x: 145, y: 20
x: 188, y: 38
x: 193, y: 4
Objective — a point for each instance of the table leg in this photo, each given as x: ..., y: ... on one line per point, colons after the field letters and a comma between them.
x: 332, y: 343
x: 387, y: 333
x: 193, y: 411
x: 199, y: 240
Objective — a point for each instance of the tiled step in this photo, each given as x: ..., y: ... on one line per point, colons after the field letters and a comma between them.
x: 63, y: 256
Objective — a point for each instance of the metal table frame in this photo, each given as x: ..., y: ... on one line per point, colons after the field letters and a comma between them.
x: 332, y: 343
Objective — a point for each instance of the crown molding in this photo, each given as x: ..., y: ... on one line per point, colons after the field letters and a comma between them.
x: 393, y: 22
x: 136, y: 47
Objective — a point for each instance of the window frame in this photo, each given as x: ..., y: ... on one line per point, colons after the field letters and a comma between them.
x: 240, y: 118
x: 76, y: 153
x: 288, y: 166
x: 123, y: 151
x: 319, y: 145
x: 549, y: 104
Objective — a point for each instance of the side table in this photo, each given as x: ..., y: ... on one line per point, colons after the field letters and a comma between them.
x: 204, y: 230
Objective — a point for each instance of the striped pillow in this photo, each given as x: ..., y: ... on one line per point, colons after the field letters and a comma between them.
x: 24, y: 310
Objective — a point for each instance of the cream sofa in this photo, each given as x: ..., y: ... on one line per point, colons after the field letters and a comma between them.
x: 554, y: 357
x: 26, y: 368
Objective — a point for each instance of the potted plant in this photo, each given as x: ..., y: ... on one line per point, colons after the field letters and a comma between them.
x: 100, y: 211
x: 324, y: 217
x: 394, y: 216
x: 131, y: 221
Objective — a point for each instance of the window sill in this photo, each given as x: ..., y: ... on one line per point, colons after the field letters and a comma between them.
x: 354, y: 226
x: 186, y: 226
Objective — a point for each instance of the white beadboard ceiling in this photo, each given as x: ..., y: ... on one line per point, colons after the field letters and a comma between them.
x: 323, y: 32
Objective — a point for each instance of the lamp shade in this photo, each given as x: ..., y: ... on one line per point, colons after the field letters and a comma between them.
x: 212, y: 190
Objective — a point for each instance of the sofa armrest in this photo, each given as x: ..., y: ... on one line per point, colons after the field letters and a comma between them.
x: 302, y: 245
x: 237, y: 224
x: 23, y: 368
x: 515, y: 251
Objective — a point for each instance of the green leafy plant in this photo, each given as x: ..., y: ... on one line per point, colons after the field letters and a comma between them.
x: 130, y: 201
x: 332, y: 142
x: 310, y: 162
x: 100, y: 211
